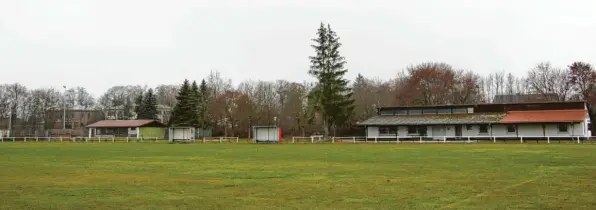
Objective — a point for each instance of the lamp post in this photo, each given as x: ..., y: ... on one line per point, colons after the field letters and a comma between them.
x: 64, y: 109
x: 10, y: 121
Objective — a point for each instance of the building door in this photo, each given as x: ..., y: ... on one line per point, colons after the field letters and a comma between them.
x: 458, y: 130
x: 439, y: 132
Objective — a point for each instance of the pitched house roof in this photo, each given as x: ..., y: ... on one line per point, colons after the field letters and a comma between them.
x: 125, y: 123
x: 545, y: 116
x: 483, y: 118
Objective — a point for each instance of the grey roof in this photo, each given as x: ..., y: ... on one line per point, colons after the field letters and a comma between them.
x: 434, y: 119
x: 523, y: 98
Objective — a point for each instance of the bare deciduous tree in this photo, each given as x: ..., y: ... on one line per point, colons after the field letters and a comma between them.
x: 550, y: 82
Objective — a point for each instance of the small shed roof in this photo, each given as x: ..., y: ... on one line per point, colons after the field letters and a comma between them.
x: 265, y: 126
x: 548, y: 116
x: 125, y: 124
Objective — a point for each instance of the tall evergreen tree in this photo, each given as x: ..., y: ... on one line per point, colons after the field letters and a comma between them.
x: 138, y: 106
x: 194, y: 105
x: 203, y: 105
x: 149, y: 106
x: 128, y: 109
x: 332, y: 95
x: 180, y: 114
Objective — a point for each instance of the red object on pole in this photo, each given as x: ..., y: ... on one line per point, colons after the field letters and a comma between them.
x: 279, y: 134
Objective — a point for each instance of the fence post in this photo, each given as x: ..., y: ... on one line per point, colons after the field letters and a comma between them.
x: 13, y: 139
x: 420, y: 139
x: 548, y: 139
x: 86, y: 139
x: 155, y: 139
x: 100, y: 139
x: 219, y: 139
x: 494, y: 139
x: 376, y: 139
x: 293, y: 139
x: 469, y: 140
x: 25, y: 139
x: 578, y: 140
x: 354, y: 138
x: 397, y: 139
x: 444, y: 139
x: 127, y: 139
x: 237, y: 139
x: 36, y: 139
x: 60, y: 138
x: 113, y: 139
x: 521, y: 139
x: 333, y: 140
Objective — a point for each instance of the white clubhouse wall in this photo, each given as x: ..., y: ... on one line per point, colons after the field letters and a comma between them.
x: 577, y: 129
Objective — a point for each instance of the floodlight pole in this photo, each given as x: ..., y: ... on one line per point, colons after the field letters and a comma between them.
x: 64, y: 109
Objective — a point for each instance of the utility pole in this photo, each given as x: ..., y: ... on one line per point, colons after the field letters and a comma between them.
x: 10, y: 121
x: 64, y: 109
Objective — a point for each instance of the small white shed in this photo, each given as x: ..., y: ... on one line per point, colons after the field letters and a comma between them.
x: 181, y: 134
x: 266, y: 134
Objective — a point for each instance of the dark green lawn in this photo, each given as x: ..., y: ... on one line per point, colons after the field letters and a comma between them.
x: 304, y: 176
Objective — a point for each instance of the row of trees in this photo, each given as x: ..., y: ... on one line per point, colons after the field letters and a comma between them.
x: 330, y: 103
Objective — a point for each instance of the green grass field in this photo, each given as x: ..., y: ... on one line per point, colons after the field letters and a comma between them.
x: 302, y: 176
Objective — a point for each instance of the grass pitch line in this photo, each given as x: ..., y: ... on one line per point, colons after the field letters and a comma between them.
x: 488, y: 192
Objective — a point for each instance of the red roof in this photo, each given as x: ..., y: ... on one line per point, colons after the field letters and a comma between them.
x: 545, y: 116
x: 124, y: 123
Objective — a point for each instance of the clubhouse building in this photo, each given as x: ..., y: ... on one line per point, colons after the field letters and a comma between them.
x: 548, y: 119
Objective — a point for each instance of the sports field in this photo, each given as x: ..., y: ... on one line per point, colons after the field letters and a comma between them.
x: 302, y: 176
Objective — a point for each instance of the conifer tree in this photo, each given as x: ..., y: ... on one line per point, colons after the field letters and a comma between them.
x: 332, y: 96
x: 194, y: 105
x: 180, y: 114
x: 149, y: 106
x: 138, y: 106
x: 203, y: 105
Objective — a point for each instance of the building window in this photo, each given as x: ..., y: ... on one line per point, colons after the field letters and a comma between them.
x: 133, y: 129
x: 460, y: 111
x: 563, y: 128
x: 412, y: 129
x: 483, y: 128
x: 415, y: 111
x: 387, y: 112
x: 388, y: 130
x: 469, y: 127
x: 401, y: 112
x: 510, y: 128
x: 444, y: 111
x: 429, y: 111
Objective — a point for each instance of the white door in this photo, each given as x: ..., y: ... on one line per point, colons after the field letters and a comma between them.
x: 262, y: 134
x: 179, y: 133
x: 439, y: 132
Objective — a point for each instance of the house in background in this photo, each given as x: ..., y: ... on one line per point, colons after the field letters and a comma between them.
x: 118, y: 113
x: 555, y: 119
x: 127, y: 128
x: 76, y: 120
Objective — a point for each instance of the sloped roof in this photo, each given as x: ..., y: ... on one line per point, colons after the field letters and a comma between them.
x: 124, y: 123
x: 546, y: 116
x: 483, y: 118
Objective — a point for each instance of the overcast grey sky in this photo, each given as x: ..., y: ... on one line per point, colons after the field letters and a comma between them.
x: 101, y: 43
